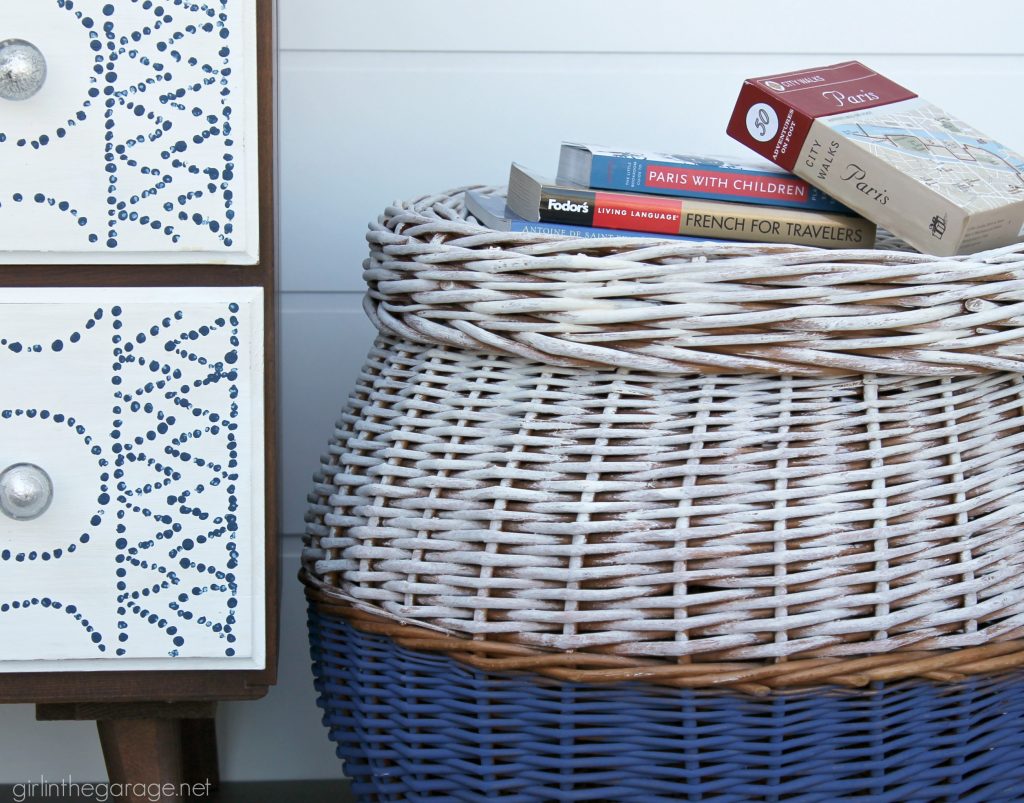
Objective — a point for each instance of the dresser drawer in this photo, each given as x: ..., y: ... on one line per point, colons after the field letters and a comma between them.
x: 142, y: 408
x: 140, y: 146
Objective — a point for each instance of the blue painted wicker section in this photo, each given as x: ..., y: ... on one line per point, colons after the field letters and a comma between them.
x: 413, y: 726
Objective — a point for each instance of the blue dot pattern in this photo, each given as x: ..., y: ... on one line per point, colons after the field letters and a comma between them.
x: 11, y: 607
x: 20, y: 346
x: 164, y: 91
x: 175, y: 417
x: 169, y: 479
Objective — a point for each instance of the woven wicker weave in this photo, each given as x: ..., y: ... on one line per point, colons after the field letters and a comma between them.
x: 423, y: 727
x: 684, y: 307
x: 669, y: 453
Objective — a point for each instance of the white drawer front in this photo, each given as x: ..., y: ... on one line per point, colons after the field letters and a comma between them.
x: 141, y: 144
x: 144, y: 407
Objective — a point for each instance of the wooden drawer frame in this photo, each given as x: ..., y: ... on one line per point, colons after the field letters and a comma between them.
x: 187, y: 685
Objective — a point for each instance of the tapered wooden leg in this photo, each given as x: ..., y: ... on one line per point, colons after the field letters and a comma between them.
x: 155, y: 751
x: 143, y: 755
x: 199, y: 751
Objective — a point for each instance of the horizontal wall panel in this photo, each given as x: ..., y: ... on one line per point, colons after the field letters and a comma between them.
x: 361, y: 129
x: 654, y: 26
x: 323, y: 340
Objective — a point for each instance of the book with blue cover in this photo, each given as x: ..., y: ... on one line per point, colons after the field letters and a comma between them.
x: 492, y: 212
x: 706, y: 177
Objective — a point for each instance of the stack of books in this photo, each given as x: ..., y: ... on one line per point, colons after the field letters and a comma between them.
x: 848, y: 134
x: 600, y: 192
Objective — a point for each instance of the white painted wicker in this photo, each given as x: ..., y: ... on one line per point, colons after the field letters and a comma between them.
x: 675, y: 450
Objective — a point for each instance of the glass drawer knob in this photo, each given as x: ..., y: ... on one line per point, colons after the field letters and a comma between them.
x: 25, y: 491
x: 22, y: 69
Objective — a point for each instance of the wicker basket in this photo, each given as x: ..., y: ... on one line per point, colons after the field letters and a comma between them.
x: 640, y: 520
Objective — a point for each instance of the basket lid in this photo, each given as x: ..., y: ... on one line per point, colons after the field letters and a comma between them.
x: 679, y: 307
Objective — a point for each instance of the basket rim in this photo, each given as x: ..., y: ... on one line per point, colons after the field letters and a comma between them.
x: 684, y: 307
x: 750, y: 677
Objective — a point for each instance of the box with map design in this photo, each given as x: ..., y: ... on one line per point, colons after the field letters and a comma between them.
x: 886, y: 153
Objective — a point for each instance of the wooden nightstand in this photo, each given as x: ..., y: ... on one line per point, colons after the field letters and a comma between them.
x: 138, y: 549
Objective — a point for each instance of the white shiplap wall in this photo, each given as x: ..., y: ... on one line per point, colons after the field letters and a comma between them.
x: 388, y: 100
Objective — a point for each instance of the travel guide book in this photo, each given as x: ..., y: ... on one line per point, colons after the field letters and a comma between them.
x: 492, y: 212
x: 926, y: 176
x: 538, y: 199
x: 712, y: 178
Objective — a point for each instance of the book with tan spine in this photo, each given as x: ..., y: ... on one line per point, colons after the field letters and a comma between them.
x: 535, y: 198
x: 930, y: 178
